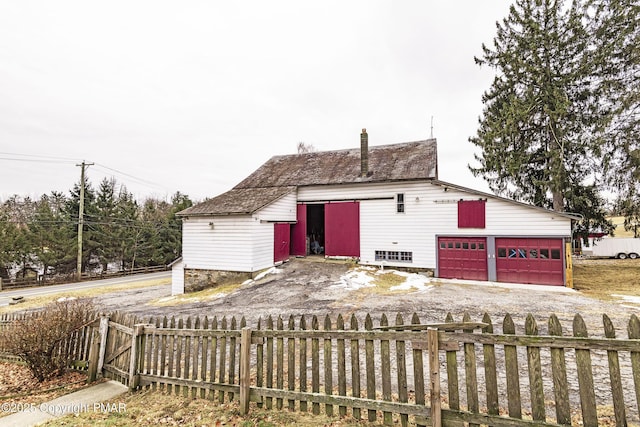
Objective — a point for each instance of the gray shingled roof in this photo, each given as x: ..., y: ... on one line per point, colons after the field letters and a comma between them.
x: 395, y: 162
x: 237, y: 201
x: 282, y: 174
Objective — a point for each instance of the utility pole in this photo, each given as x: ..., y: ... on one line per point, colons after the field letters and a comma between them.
x: 83, y: 165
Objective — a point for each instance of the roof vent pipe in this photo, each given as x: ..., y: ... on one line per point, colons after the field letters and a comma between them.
x: 364, y: 153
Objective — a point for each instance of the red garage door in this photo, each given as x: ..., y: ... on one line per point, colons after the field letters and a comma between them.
x: 529, y: 260
x: 299, y: 232
x: 342, y: 229
x: 462, y: 258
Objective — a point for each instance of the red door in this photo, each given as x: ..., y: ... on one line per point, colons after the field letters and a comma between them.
x: 462, y: 258
x: 281, y: 235
x: 299, y: 232
x: 528, y: 260
x: 342, y: 229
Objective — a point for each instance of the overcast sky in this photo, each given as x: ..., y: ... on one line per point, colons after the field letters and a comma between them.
x: 195, y: 95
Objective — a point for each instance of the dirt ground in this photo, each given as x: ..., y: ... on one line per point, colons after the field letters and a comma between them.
x: 317, y: 287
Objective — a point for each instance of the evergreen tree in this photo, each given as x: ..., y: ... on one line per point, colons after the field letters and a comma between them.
x: 89, y: 242
x: 548, y: 115
x: 53, y: 246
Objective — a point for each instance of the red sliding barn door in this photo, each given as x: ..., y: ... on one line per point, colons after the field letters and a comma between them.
x: 299, y: 232
x: 342, y: 229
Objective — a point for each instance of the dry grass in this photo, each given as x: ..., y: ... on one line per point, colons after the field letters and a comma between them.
x: 603, y: 277
x: 147, y: 408
x: 39, y: 301
x: 191, y: 297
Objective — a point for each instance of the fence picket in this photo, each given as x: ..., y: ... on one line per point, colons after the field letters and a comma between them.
x: 452, y: 374
x: 559, y: 373
x: 342, y: 369
x: 280, y: 362
x: 401, y: 362
x: 222, y: 348
x: 385, y: 361
x: 195, y: 357
x: 328, y: 366
x: 178, y: 359
x: 269, y: 366
x: 535, y: 373
x: 490, y: 372
x: 370, y: 366
x: 614, y: 375
x: 163, y: 351
x: 205, y: 356
x: 187, y: 357
x: 418, y: 370
x: 511, y: 365
x: 171, y: 345
x: 303, y: 363
x: 585, y: 376
x: 214, y: 356
x: 470, y: 372
x: 291, y: 363
x: 633, y: 329
x: 315, y: 366
x: 355, y: 366
x: 232, y: 357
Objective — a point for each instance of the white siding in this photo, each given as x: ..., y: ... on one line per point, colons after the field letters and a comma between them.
x: 227, y: 245
x: 262, y: 245
x: 234, y: 243
x: 429, y: 211
x: 283, y: 209
x: 177, y: 278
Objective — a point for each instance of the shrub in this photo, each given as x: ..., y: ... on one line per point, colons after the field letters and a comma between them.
x: 45, y: 340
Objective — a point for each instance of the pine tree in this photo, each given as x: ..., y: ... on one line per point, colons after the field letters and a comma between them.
x: 548, y: 114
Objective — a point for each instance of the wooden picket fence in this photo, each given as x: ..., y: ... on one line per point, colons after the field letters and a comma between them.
x: 451, y: 373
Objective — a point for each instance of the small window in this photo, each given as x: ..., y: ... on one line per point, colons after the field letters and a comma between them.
x: 443, y: 245
x: 544, y: 253
x: 465, y: 245
x: 481, y: 246
x: 400, y: 203
x: 394, y: 256
x: 457, y: 245
x: 513, y: 253
x: 533, y: 253
x: 522, y: 253
x: 555, y: 253
x: 502, y: 252
x: 450, y: 245
x: 473, y: 246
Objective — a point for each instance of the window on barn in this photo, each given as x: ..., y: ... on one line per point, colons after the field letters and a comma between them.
x: 471, y: 213
x: 394, y: 256
x: 400, y: 203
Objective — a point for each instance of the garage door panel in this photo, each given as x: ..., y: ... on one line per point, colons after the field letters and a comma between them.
x: 462, y: 258
x: 526, y: 260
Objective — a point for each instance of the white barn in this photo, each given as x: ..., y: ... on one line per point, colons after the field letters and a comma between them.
x: 379, y: 205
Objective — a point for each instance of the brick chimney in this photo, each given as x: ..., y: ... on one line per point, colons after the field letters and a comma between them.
x: 364, y: 153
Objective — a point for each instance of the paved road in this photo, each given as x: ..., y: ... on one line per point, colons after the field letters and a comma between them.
x: 5, y: 296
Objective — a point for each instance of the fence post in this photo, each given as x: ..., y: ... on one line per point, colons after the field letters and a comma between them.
x: 103, y: 330
x: 94, y: 353
x: 136, y: 355
x: 0, y: 283
x: 434, y: 376
x: 245, y: 378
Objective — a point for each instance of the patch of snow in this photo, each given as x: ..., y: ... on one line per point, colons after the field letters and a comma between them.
x: 272, y: 270
x: 63, y: 299
x: 355, y: 279
x: 412, y: 280
x: 628, y: 298
x: 165, y: 299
